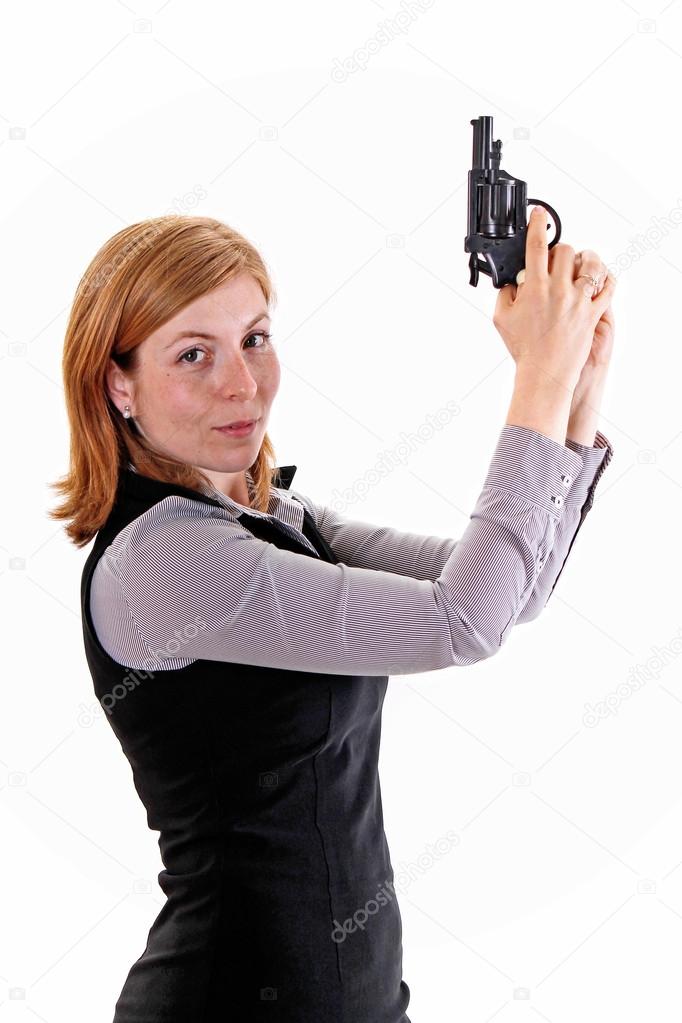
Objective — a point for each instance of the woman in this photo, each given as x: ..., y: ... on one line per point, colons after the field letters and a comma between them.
x: 240, y: 636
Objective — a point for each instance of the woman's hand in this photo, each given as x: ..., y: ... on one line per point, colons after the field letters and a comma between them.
x: 589, y: 390
x: 549, y: 318
x: 601, y: 350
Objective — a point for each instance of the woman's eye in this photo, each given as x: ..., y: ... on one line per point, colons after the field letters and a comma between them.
x: 261, y: 333
x: 189, y: 352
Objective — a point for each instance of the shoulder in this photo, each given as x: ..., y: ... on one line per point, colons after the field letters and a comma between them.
x: 172, y: 534
x: 180, y: 555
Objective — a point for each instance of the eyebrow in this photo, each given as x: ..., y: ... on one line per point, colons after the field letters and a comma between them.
x: 212, y: 337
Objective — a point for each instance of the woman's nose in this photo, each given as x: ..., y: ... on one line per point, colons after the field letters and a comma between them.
x: 236, y: 378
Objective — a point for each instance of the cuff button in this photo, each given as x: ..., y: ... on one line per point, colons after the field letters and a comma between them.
x: 566, y: 479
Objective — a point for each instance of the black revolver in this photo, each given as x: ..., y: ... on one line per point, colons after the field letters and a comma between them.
x: 496, y: 215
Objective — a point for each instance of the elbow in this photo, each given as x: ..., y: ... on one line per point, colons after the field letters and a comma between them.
x: 481, y: 645
x: 528, y: 613
x: 503, y: 637
x: 533, y: 607
x: 485, y: 652
x: 470, y: 642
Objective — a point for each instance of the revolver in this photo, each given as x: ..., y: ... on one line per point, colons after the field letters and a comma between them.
x: 496, y: 214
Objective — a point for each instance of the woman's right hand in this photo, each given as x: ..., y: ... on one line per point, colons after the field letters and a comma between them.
x: 547, y: 322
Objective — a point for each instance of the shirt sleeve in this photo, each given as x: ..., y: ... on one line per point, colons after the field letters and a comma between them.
x: 578, y: 504
x: 233, y: 597
x: 367, y: 545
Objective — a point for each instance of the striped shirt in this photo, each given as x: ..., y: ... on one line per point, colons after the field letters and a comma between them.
x: 186, y: 580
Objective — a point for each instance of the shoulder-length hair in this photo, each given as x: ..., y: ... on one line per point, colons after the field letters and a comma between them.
x: 137, y: 281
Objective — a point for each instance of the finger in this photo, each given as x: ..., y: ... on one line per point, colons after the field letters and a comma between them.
x: 562, y: 266
x: 587, y: 255
x: 588, y: 261
x: 602, y: 301
x: 608, y: 317
x: 553, y: 252
x: 536, y: 246
x: 590, y: 267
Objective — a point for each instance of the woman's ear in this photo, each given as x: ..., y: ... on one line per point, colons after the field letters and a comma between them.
x: 118, y: 386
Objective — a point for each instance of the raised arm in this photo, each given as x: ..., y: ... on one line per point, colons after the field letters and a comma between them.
x: 423, y: 556
x: 254, y: 603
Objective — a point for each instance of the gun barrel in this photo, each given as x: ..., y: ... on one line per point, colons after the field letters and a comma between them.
x: 483, y: 130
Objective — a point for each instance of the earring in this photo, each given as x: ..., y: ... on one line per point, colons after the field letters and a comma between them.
x: 126, y: 412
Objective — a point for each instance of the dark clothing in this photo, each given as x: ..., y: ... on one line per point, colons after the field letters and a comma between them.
x: 263, y: 784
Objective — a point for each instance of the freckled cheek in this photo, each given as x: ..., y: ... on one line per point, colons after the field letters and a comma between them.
x: 271, y: 377
x: 174, y: 400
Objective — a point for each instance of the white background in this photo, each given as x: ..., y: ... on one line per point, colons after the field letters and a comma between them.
x: 561, y: 899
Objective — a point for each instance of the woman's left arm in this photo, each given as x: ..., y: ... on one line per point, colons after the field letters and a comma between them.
x: 596, y: 451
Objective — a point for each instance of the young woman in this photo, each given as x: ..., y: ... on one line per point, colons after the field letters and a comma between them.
x: 240, y: 636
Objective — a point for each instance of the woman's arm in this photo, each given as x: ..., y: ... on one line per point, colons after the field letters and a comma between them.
x: 192, y: 571
x: 422, y: 556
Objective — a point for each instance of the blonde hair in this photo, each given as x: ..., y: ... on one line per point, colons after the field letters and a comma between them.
x: 140, y: 278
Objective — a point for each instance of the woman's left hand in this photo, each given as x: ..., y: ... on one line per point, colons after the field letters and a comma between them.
x: 597, y: 362
x: 588, y: 392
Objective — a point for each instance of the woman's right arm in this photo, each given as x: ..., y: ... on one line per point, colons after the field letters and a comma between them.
x: 237, y: 598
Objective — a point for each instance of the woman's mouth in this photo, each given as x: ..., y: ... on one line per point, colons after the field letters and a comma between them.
x: 242, y: 428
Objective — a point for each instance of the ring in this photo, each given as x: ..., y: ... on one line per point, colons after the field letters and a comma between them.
x: 595, y: 281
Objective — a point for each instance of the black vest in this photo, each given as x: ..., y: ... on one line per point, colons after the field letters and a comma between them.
x: 263, y: 785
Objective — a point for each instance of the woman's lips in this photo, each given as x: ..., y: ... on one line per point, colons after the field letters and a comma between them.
x: 241, y: 429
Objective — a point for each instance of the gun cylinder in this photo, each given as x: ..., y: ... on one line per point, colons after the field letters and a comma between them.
x: 496, y: 206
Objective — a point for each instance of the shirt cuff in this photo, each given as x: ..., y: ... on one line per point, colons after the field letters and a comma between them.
x: 595, y: 459
x: 534, y: 467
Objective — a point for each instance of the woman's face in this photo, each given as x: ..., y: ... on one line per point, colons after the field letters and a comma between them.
x: 187, y: 386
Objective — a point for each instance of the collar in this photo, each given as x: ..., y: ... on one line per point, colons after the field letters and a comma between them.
x: 143, y: 491
x: 282, y: 475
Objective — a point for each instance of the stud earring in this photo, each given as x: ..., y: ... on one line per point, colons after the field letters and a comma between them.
x: 126, y: 412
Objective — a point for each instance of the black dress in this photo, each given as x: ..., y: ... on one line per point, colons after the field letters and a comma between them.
x: 263, y: 784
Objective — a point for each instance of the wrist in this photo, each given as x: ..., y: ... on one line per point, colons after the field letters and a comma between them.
x: 582, y: 425
x: 590, y: 389
x: 546, y: 380
x: 540, y: 402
